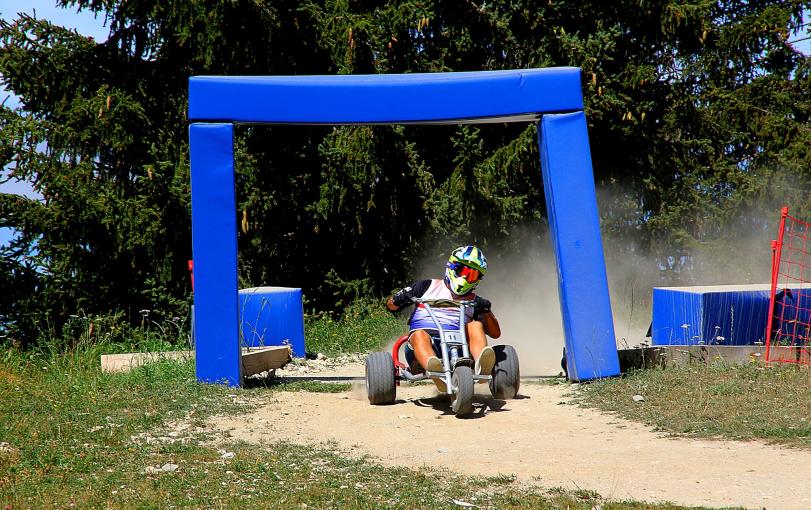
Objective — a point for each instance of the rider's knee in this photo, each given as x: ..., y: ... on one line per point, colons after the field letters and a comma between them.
x: 419, y: 335
x: 475, y: 327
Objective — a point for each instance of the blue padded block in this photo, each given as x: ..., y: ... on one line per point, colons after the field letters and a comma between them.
x: 214, y: 247
x: 272, y: 316
x: 720, y: 314
x: 382, y: 98
x: 574, y: 223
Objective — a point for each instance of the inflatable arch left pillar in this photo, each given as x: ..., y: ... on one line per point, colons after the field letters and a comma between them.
x: 214, y: 248
x: 551, y: 96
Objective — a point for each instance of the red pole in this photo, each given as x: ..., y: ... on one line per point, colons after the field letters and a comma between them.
x: 772, y: 291
x: 191, y: 274
x: 777, y: 250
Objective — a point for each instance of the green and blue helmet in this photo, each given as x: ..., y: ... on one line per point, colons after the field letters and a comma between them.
x: 466, y: 267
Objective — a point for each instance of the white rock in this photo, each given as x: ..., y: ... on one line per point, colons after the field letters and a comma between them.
x: 465, y: 504
x: 638, y: 398
x: 442, y: 450
x: 169, y: 467
x: 227, y: 455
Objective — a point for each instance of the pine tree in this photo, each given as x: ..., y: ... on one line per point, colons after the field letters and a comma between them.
x: 698, y: 119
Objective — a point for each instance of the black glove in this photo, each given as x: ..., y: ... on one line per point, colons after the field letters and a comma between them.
x: 481, y: 305
x: 403, y: 297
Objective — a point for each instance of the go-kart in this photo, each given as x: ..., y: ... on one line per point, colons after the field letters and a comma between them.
x: 384, y: 371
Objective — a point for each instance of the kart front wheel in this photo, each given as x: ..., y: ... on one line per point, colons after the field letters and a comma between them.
x: 462, y: 384
x: 380, y: 384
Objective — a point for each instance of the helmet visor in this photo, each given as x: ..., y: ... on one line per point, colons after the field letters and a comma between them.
x: 468, y: 273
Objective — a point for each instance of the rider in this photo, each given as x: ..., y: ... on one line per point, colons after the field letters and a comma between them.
x: 465, y: 269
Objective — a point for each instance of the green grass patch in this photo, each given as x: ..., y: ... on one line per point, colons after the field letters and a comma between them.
x: 156, y: 332
x: 364, y: 326
x: 75, y: 437
x: 716, y: 400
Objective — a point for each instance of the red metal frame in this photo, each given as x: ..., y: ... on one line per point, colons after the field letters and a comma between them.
x: 777, y: 250
x: 395, y: 355
x: 395, y: 351
x: 791, y: 260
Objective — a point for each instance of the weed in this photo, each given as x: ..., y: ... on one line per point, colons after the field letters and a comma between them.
x: 364, y: 326
x: 116, y: 332
x: 505, y: 479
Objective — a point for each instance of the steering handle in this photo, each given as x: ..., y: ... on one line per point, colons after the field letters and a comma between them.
x: 440, y: 303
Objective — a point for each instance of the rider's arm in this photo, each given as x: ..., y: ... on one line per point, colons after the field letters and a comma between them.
x: 417, y: 289
x: 490, y: 323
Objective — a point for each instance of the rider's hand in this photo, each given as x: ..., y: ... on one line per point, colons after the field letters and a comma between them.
x: 481, y: 305
x: 403, y: 297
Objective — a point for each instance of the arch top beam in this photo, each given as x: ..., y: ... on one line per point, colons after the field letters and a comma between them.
x: 452, y: 98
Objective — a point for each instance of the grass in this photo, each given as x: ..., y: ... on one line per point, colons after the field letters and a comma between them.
x: 365, y: 326
x: 716, y: 400
x: 75, y: 437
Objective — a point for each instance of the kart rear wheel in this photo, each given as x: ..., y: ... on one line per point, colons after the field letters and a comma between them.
x: 462, y: 385
x: 380, y: 385
x: 506, y: 377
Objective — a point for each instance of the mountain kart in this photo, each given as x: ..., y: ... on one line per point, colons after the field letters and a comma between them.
x: 384, y: 371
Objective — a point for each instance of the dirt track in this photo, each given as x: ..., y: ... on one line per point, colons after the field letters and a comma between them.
x: 540, y: 439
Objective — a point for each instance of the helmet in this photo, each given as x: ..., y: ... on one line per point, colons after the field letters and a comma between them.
x: 465, y: 269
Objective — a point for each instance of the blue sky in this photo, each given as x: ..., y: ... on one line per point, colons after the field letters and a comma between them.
x: 84, y: 22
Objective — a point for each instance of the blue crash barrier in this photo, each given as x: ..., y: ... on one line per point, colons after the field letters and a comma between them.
x: 723, y: 314
x: 272, y: 316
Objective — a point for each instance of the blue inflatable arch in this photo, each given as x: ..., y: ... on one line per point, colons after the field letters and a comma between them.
x: 550, y: 96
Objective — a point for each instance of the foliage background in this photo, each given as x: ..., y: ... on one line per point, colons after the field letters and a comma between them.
x: 698, y: 115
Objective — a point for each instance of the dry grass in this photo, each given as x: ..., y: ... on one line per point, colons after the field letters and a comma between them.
x: 715, y: 400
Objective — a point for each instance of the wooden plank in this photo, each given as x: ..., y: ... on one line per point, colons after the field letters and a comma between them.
x: 259, y: 359
x: 254, y: 359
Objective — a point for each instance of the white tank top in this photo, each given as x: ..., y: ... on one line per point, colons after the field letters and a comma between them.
x: 448, y: 317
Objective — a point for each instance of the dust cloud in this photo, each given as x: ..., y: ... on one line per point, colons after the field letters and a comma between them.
x: 742, y: 258
x: 522, y: 284
x: 523, y: 287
